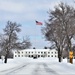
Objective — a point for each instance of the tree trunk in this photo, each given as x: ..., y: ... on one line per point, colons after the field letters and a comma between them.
x: 59, y: 55
x: 6, y: 56
x: 60, y: 59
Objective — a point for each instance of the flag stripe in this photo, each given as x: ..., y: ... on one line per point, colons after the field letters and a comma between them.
x: 38, y: 23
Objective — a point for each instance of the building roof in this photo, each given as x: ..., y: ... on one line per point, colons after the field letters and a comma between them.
x: 37, y: 50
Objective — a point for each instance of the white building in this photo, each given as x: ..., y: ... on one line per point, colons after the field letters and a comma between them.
x: 36, y: 53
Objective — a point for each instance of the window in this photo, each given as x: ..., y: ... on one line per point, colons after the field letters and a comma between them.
x: 29, y: 55
x: 38, y: 55
x: 51, y: 55
x: 55, y: 52
x: 29, y: 52
x: 38, y: 52
x: 44, y: 52
x: 52, y: 52
x: 48, y: 52
x: 18, y: 55
x: 41, y: 55
x: 41, y: 52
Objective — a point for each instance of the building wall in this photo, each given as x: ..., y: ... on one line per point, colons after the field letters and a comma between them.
x: 35, y: 52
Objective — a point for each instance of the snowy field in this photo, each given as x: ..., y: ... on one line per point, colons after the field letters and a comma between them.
x: 40, y: 66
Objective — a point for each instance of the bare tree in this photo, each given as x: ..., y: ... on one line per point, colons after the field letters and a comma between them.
x: 60, y: 27
x: 10, y: 32
x: 9, y: 40
x: 25, y: 44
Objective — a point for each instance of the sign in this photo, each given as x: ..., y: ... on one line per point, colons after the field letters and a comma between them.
x: 71, y: 54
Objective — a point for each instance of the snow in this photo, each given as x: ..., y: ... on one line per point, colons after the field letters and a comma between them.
x: 40, y: 66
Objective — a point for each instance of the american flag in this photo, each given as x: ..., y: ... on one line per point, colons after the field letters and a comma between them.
x: 39, y: 23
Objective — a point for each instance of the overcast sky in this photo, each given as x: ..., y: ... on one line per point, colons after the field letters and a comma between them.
x: 26, y: 12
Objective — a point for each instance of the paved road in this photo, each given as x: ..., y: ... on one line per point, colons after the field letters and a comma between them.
x: 30, y: 69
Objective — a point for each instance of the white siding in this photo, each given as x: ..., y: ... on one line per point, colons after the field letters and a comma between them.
x: 38, y: 52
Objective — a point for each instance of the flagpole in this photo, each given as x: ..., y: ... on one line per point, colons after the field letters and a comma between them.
x: 39, y: 24
x: 35, y: 36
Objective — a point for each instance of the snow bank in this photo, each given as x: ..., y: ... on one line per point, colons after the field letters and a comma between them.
x: 61, y: 68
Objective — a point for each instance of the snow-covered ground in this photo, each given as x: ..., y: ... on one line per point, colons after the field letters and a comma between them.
x: 40, y: 66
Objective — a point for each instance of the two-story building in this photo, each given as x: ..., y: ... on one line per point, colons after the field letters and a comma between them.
x: 36, y: 53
